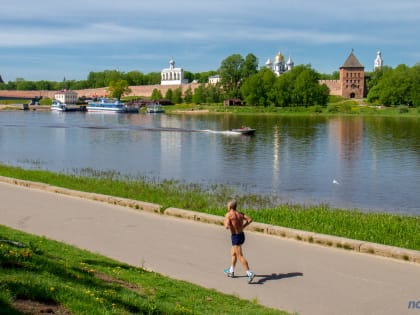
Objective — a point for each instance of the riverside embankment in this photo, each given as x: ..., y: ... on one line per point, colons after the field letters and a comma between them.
x: 290, y: 275
x: 310, y: 237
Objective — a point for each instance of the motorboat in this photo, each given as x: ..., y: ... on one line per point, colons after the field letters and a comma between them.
x: 155, y: 109
x: 244, y: 130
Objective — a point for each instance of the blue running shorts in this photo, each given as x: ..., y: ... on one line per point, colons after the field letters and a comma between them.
x: 238, y: 239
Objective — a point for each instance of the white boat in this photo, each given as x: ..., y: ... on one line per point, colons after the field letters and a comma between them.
x: 111, y: 106
x: 155, y: 108
x: 62, y: 107
x: 244, y: 130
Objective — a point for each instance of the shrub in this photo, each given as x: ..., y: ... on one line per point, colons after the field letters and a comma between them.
x: 332, y: 108
x: 316, y: 109
x: 346, y: 108
x: 402, y: 109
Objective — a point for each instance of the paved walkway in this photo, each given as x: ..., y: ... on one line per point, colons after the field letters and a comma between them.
x: 291, y: 275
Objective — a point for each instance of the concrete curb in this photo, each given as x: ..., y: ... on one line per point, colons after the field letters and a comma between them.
x: 310, y: 237
x: 135, y: 204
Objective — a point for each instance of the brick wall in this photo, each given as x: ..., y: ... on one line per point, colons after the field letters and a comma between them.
x: 333, y: 85
x: 137, y: 90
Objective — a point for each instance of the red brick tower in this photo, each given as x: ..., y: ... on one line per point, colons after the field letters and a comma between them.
x: 352, y: 78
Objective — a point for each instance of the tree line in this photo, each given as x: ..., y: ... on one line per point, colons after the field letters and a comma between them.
x: 98, y: 80
x: 399, y: 86
x: 241, y: 78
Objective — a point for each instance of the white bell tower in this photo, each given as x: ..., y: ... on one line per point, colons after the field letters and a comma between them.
x: 378, y: 61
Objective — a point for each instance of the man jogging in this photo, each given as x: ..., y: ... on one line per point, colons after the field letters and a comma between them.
x: 237, y: 221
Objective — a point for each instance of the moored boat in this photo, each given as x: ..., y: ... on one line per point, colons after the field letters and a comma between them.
x: 111, y: 106
x: 63, y: 107
x: 155, y: 108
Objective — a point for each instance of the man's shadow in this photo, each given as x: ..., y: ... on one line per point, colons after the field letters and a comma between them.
x: 275, y: 276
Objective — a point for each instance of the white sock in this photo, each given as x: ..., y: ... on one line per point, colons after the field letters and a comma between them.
x: 248, y: 272
x: 231, y: 269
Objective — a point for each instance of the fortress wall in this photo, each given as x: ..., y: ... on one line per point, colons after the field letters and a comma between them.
x: 140, y: 90
x: 137, y: 90
x: 333, y: 85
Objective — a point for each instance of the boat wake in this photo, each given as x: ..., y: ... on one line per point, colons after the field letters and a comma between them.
x: 222, y: 132
x: 132, y: 128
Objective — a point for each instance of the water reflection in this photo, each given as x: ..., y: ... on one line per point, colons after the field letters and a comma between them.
x: 368, y: 163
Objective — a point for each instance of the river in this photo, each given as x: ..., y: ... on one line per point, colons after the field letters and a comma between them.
x: 369, y: 163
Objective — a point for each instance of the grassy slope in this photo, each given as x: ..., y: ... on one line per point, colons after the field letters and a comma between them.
x: 38, y: 269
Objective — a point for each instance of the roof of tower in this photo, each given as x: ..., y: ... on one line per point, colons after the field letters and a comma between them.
x: 279, y: 57
x: 352, y: 62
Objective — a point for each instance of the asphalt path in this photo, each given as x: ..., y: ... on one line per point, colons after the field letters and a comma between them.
x: 290, y: 275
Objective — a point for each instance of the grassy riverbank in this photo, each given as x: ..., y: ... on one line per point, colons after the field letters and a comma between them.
x: 336, y: 106
x: 381, y: 228
x: 38, y: 275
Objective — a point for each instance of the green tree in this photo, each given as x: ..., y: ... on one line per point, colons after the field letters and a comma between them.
x: 188, y: 95
x: 189, y: 76
x: 334, y: 76
x: 118, y: 88
x: 23, y: 85
x: 258, y: 88
x: 152, y: 78
x: 213, y: 93
x: 135, y: 78
x: 394, y: 87
x: 414, y: 75
x: 156, y: 95
x: 234, y: 70
x: 283, y: 90
x: 177, y: 96
x: 79, y: 85
x: 199, y: 94
x: 305, y: 89
x: 231, y: 75
x: 169, y: 95
x: 249, y: 66
x: 300, y: 87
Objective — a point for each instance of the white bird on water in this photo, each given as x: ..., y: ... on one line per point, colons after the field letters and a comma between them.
x: 336, y: 182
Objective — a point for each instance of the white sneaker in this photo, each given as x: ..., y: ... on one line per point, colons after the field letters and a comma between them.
x: 229, y: 273
x: 250, y: 276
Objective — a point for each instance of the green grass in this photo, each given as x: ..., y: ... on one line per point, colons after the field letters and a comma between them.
x: 14, y: 102
x: 381, y: 228
x: 55, y: 274
x: 336, y: 106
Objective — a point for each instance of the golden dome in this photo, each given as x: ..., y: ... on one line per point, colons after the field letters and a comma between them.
x: 279, y: 57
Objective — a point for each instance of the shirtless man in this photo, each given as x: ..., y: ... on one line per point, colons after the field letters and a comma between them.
x: 237, y: 221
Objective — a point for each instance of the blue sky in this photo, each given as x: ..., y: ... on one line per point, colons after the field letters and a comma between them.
x: 53, y: 39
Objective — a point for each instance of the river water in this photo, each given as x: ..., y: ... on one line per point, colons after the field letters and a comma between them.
x: 369, y: 163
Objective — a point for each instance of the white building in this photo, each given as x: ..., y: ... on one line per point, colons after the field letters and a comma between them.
x: 66, y: 97
x: 214, y: 79
x: 172, y: 75
x: 378, y: 61
x: 279, y: 65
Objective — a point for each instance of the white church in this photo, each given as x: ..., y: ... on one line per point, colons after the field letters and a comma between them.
x: 279, y: 65
x: 172, y: 75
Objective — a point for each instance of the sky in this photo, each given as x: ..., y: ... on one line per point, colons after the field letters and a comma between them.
x: 54, y: 39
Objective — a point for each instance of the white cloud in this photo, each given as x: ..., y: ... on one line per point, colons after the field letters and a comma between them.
x: 146, y: 33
